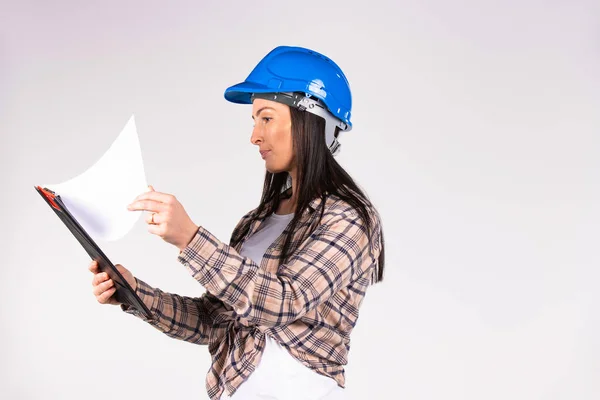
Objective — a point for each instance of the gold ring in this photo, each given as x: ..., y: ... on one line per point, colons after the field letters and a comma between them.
x: 152, y: 219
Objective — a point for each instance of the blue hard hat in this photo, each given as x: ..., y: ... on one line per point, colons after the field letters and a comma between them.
x: 297, y: 69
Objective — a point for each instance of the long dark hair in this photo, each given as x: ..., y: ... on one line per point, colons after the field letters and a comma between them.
x: 318, y: 174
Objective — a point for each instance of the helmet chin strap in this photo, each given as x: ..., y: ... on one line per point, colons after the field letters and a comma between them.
x: 306, y: 103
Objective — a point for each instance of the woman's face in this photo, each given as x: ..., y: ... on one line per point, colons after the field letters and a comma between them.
x: 272, y: 134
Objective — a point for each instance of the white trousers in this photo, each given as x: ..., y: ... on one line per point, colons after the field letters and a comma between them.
x: 279, y: 376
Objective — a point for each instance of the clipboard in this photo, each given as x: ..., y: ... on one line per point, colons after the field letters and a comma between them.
x: 124, y: 293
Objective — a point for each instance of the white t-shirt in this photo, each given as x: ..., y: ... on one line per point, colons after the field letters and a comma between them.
x: 279, y: 376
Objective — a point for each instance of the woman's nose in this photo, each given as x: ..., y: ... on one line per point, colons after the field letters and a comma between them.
x: 256, y: 136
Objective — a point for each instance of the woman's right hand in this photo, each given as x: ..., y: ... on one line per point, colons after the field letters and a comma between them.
x: 104, y: 287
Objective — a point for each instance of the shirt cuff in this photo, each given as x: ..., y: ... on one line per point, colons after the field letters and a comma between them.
x: 198, y: 252
x: 147, y: 294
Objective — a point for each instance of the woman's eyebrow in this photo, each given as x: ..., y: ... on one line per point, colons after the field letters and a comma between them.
x: 264, y: 108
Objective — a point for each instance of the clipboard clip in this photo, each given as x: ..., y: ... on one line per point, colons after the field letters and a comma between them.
x: 49, y: 195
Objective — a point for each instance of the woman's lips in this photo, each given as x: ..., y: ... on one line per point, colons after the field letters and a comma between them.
x: 264, y: 153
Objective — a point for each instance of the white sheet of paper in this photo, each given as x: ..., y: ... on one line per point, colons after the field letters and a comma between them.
x: 98, y: 197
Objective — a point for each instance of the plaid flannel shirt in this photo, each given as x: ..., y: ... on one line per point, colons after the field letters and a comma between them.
x: 309, y: 304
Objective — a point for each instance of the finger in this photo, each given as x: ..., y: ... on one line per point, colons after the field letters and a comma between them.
x: 156, y: 219
x: 105, y: 297
x: 151, y: 188
x: 103, y: 287
x: 146, y: 205
x: 99, y: 278
x: 93, y: 267
x: 156, y: 196
x: 156, y: 230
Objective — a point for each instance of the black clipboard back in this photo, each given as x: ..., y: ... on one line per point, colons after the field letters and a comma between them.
x: 125, y: 293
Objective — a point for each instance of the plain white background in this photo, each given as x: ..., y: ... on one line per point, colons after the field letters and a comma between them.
x: 476, y: 134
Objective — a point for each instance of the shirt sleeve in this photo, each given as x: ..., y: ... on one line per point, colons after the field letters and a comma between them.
x: 192, y: 319
x: 335, y: 253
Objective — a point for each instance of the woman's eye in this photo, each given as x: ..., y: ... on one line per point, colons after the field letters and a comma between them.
x: 266, y: 119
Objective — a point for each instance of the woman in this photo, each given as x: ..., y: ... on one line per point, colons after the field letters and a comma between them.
x: 283, y: 297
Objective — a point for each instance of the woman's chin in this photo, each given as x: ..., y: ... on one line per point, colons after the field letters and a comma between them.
x: 273, y: 170
x: 276, y: 168
x: 269, y: 167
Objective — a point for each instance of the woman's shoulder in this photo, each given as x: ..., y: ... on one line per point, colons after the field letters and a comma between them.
x: 336, y: 207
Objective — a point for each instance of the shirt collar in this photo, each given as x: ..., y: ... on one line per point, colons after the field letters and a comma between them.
x: 315, y: 203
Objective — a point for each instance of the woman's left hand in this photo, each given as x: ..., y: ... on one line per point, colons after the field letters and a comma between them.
x: 167, y: 217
